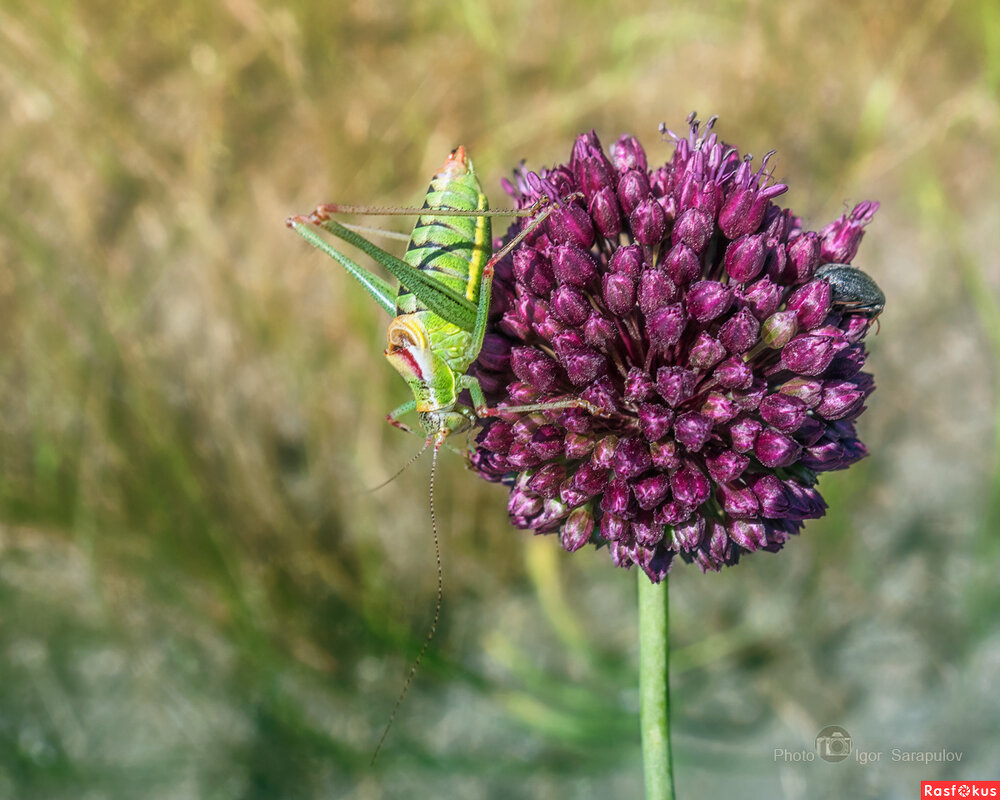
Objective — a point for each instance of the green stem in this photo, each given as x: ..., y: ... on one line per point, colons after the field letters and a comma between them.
x: 654, y: 689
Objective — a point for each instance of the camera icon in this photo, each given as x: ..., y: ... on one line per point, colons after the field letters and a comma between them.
x: 833, y: 743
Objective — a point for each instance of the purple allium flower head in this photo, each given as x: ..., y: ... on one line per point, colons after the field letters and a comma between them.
x: 685, y: 306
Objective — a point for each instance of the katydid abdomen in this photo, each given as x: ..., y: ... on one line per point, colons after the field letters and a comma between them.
x: 451, y: 250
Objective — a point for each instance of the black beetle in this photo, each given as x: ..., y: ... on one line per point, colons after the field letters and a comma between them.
x: 854, y: 291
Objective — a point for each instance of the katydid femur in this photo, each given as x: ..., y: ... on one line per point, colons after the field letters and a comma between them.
x: 440, y: 312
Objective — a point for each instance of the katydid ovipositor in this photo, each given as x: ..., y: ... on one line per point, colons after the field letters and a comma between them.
x: 440, y: 308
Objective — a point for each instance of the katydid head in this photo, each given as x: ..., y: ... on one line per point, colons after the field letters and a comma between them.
x: 432, y: 381
x: 439, y: 425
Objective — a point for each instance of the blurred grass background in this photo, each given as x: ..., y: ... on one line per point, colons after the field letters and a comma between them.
x: 197, y: 597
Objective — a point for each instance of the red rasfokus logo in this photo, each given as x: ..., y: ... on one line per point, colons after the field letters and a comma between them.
x: 960, y: 788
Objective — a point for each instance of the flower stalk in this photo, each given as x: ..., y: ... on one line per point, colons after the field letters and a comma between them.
x: 654, y: 688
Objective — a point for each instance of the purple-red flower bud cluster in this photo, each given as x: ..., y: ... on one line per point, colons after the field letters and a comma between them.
x: 682, y: 303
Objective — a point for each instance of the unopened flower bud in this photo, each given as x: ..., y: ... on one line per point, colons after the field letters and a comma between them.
x: 570, y: 305
x: 779, y: 328
x: 613, y: 528
x: 655, y: 420
x: 617, y: 499
x: 545, y: 482
x: 618, y: 293
x: 604, y: 452
x: 807, y: 354
x: 745, y: 258
x: 784, y: 412
x: 812, y: 303
x: 627, y: 261
x: 655, y: 291
x: 808, y: 390
x: 762, y: 297
x: 734, y: 373
x: 633, y: 188
x: 646, y: 533
x: 650, y: 492
x: 692, y: 429
x: 803, y: 256
x: 726, y: 466
x: 664, y: 455
x: 632, y: 457
x: 590, y: 479
x: 534, y: 271
x: 840, y: 399
x: 648, y: 222
x: 690, y: 485
x: 774, y: 449
x: 576, y: 530
x: 719, y: 408
x: 576, y: 446
x: 534, y: 367
x: 707, y: 300
x: 638, y: 386
x: 682, y: 264
x: 840, y: 239
x: 628, y: 154
x: 740, y: 332
x: 738, y: 501
x: 573, y: 266
x: 693, y: 228
x: 706, y: 352
x: 743, y: 434
x: 748, y: 534
x: 606, y: 213
x: 675, y: 384
x: 665, y: 326
x: 598, y: 330
x: 688, y: 535
x: 571, y: 225
x: 583, y: 366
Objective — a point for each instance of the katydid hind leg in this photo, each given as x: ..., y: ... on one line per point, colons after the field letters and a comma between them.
x: 326, y: 210
x: 379, y: 289
x: 439, y: 298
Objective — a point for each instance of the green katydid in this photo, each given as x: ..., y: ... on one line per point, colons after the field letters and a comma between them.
x: 442, y: 303
x: 440, y: 309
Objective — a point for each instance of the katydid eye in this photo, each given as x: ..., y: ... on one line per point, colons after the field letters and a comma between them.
x: 400, y: 338
x: 405, y: 333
